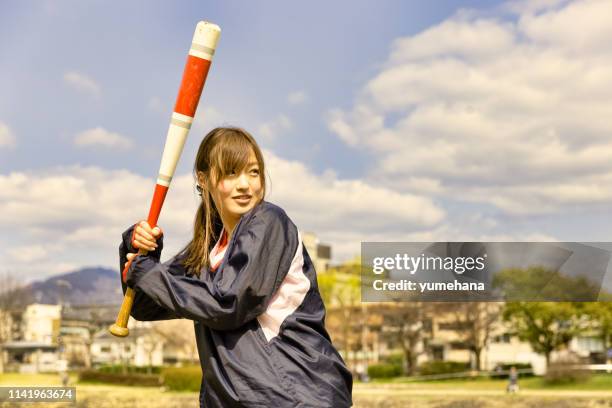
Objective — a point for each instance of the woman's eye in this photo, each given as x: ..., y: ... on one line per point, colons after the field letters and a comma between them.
x: 255, y: 172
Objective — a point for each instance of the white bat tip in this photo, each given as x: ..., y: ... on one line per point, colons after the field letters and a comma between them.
x: 207, y: 34
x: 206, y: 25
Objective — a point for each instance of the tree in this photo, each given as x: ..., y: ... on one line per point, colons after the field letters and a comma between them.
x: 599, y: 315
x: 405, y: 323
x: 476, y: 321
x: 546, y: 285
x: 546, y: 326
x: 340, y: 290
x: 149, y: 343
x: 14, y: 297
x: 178, y: 333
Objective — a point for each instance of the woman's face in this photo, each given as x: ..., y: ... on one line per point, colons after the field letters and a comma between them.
x: 240, y: 191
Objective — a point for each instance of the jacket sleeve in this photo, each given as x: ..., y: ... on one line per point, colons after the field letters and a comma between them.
x: 261, y: 254
x: 144, y: 308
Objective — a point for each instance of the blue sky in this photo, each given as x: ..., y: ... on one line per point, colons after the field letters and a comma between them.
x: 135, y: 52
x: 381, y: 121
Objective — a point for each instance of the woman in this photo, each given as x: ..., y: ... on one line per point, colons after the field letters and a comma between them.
x: 248, y: 284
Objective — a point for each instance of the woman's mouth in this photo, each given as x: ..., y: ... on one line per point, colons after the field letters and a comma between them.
x: 242, y: 199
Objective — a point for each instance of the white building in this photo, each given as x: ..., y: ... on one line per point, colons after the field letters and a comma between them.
x: 143, y: 347
x: 320, y: 254
x: 37, y: 350
x: 41, y: 323
x: 29, y: 357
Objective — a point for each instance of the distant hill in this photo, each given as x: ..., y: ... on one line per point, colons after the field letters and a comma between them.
x: 86, y: 286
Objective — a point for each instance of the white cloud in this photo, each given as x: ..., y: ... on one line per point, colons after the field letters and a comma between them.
x: 589, y: 33
x: 347, y: 244
x: 297, y: 97
x: 271, y: 129
x: 327, y: 202
x: 208, y: 117
x: 532, y: 6
x: 7, y: 138
x: 28, y: 253
x: 475, y: 39
x: 82, y: 83
x: 75, y: 215
x: 339, y: 125
x: 509, y: 113
x: 102, y: 137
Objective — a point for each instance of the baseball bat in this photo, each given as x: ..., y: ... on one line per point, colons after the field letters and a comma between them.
x: 194, y: 76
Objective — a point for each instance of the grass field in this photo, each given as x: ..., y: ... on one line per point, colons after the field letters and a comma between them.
x: 597, y: 393
x: 596, y: 382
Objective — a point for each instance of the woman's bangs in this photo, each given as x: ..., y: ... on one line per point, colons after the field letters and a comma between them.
x: 232, y: 155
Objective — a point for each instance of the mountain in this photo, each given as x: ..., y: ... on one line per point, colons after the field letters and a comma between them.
x: 85, y: 286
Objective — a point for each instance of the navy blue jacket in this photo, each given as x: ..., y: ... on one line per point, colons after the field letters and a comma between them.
x: 259, y: 318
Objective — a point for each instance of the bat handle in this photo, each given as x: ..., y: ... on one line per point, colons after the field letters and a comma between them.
x: 119, y: 328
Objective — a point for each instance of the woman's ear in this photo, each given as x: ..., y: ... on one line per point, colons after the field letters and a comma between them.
x: 201, y: 178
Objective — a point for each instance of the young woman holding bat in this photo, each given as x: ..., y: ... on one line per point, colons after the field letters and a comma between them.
x: 249, y: 285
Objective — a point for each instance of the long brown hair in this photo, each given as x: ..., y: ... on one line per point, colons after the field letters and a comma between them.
x: 222, y: 151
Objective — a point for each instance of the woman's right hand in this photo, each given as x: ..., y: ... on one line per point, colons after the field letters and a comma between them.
x: 145, y: 237
x: 139, y: 236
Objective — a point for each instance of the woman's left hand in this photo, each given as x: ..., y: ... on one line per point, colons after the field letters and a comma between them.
x: 129, y: 257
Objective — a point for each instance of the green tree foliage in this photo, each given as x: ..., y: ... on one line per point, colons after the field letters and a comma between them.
x: 599, y: 315
x: 541, y: 284
x: 546, y: 326
x: 341, y: 293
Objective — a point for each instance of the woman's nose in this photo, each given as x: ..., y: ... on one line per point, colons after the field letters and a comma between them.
x: 243, y: 181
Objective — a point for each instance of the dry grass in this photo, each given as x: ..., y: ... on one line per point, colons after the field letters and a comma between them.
x: 364, y: 396
x: 480, y: 402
